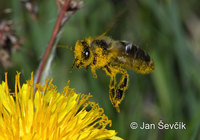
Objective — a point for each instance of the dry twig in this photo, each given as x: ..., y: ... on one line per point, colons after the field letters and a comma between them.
x: 68, y: 9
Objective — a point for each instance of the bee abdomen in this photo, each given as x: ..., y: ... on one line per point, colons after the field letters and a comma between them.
x: 141, y: 54
x: 140, y: 61
x: 135, y: 52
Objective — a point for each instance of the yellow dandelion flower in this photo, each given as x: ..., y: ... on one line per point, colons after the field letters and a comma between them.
x: 50, y: 115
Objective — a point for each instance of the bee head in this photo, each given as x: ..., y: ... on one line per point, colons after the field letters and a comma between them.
x: 83, y: 54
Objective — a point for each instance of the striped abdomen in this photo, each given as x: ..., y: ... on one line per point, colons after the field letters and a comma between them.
x: 136, y: 58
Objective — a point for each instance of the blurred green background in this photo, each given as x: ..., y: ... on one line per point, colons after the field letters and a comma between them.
x: 168, y: 30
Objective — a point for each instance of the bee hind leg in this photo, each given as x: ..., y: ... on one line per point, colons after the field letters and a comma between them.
x: 117, y: 93
x: 122, y: 86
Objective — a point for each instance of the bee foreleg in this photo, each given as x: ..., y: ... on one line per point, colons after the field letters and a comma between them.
x: 93, y: 70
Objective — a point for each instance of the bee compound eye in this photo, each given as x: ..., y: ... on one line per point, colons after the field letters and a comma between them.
x: 86, y: 55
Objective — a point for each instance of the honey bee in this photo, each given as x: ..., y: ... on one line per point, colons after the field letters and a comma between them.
x: 114, y: 57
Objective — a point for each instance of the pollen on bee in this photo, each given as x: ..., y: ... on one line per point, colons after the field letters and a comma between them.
x: 114, y: 57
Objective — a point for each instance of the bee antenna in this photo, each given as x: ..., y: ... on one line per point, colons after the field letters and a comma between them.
x: 72, y: 66
x: 63, y: 46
